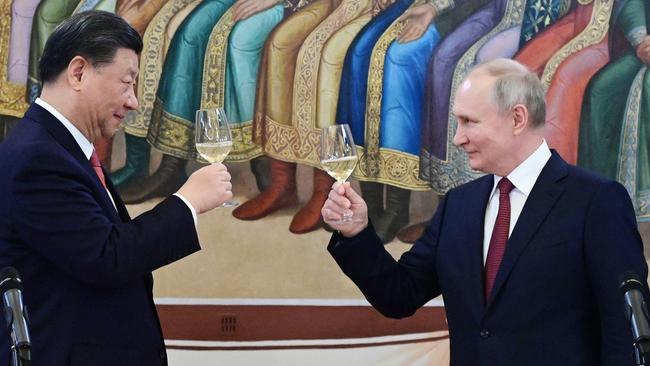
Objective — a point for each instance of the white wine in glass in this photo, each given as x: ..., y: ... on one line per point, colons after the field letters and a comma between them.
x: 338, y: 155
x: 213, y: 138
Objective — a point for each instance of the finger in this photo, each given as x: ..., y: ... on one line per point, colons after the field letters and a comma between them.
x: 403, y: 33
x: 247, y: 10
x: 338, y: 188
x: 330, y: 217
x: 340, y: 201
x: 352, y: 195
x: 413, y: 34
x: 238, y: 9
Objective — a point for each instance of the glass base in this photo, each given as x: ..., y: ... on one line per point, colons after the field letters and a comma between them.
x: 230, y: 204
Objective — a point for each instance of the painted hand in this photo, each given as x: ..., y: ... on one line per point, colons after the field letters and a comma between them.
x: 417, y: 21
x: 643, y: 51
x: 244, y: 9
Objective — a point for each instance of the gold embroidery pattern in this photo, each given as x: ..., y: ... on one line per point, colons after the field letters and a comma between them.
x: 171, y: 134
x: 306, y: 76
x: 593, y: 33
x: 374, y: 97
x: 152, y: 59
x: 444, y: 175
x: 12, y: 95
x: 628, y: 153
x: 585, y: 2
x: 396, y: 168
x: 280, y: 141
x: 214, y: 81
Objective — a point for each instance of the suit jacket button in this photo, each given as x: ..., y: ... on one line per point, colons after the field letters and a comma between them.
x: 485, y: 333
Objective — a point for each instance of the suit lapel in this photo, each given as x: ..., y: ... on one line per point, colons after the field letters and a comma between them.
x: 475, y: 214
x: 543, y: 196
x: 119, y: 204
x: 61, y: 134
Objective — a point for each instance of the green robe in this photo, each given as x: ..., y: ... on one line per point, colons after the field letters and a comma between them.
x: 615, y: 120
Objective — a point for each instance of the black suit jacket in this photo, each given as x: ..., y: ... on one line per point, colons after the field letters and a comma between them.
x: 86, y: 267
x: 555, y: 300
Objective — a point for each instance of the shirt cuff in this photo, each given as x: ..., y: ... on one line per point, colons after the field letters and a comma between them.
x: 196, y: 220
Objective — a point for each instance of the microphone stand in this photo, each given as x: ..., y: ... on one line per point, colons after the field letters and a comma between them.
x: 20, y: 356
x: 642, y: 352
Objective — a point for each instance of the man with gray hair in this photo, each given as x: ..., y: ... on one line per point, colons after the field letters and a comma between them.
x: 528, y: 258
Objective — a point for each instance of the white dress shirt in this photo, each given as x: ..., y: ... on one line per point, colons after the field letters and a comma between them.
x: 523, y: 177
x: 87, y: 147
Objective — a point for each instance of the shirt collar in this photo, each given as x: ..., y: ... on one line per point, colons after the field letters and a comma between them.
x: 524, y: 176
x: 85, y: 145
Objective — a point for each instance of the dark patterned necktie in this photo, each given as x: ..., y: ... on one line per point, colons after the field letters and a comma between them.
x: 499, y: 236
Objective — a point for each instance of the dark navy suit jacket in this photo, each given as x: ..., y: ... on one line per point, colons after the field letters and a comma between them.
x: 555, y: 300
x: 86, y: 267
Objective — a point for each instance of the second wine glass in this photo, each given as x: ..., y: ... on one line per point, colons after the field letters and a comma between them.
x: 213, y: 138
x: 338, y: 156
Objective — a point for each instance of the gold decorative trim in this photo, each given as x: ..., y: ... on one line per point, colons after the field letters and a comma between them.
x: 12, y: 95
x: 287, y: 143
x: 213, y: 89
x: 173, y: 135
x: 214, y: 69
x: 306, y: 76
x: 396, y: 168
x: 444, y: 175
x: 374, y: 97
x: 152, y: 59
x: 592, y: 34
x: 585, y: 2
x: 626, y: 170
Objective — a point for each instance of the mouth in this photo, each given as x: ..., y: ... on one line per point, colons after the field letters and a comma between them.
x: 119, y: 117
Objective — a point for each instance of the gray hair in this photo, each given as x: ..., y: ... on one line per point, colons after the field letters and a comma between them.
x: 516, y: 84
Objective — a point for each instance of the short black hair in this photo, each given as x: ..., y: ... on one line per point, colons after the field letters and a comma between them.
x: 95, y: 35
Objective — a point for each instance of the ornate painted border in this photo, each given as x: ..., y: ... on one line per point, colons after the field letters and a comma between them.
x: 378, y: 164
x: 626, y: 170
x: 12, y: 96
x: 454, y: 170
x: 151, y: 64
x: 592, y: 34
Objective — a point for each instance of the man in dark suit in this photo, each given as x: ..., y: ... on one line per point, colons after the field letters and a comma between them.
x: 86, y: 265
x: 528, y: 258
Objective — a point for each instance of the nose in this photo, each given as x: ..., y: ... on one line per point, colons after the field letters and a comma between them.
x: 459, y: 137
x: 131, y: 102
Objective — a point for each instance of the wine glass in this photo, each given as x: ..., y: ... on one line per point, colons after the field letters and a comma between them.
x: 338, y: 156
x: 213, y: 138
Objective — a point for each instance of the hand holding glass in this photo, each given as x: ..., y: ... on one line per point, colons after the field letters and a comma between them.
x: 338, y: 156
x: 213, y: 138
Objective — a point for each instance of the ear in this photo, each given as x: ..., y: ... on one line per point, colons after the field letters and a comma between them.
x: 519, y: 118
x: 75, y: 73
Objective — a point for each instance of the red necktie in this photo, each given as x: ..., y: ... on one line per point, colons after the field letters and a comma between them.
x: 97, y: 167
x: 499, y: 236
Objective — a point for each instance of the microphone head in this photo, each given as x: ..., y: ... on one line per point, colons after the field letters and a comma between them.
x: 629, y: 281
x: 9, y: 279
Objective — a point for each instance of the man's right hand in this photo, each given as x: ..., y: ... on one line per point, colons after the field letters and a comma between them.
x: 207, y: 188
x: 343, y: 201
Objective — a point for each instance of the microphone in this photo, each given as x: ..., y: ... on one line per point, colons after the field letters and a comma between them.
x: 636, y: 311
x: 16, y: 315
